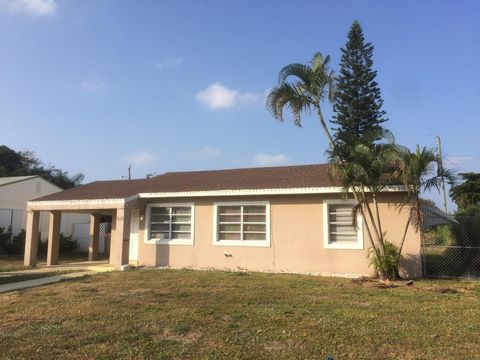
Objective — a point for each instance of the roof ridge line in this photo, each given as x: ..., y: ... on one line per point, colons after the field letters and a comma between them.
x: 243, y: 168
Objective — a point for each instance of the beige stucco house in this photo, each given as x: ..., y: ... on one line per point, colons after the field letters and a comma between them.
x: 279, y: 219
x: 15, y: 191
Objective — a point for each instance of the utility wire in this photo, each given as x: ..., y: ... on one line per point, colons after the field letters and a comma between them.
x: 456, y: 165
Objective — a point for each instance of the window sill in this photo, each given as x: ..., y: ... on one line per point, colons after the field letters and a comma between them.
x: 344, y: 246
x: 169, y: 242
x: 251, y: 243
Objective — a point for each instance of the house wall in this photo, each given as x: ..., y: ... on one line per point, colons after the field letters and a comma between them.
x: 296, y: 240
x: 15, y: 196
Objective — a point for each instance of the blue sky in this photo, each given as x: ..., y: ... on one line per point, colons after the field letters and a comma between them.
x: 95, y: 85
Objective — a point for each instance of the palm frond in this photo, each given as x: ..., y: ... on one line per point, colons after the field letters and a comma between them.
x: 319, y: 62
x: 301, y: 71
x: 311, y: 84
x: 287, y: 95
x: 431, y: 183
x: 332, y: 88
x: 448, y: 174
x: 388, y: 135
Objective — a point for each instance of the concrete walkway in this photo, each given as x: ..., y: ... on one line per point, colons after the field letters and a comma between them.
x: 43, y: 281
x: 98, y: 266
x: 79, y: 269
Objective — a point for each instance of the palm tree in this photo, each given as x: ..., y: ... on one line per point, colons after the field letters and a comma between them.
x: 418, y: 172
x: 313, y: 83
x: 358, y: 170
x: 366, y: 171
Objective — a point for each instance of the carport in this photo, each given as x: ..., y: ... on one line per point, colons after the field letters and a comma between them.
x: 117, y: 199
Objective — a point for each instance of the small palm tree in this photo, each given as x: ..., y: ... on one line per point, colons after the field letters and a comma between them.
x: 418, y: 172
x: 366, y: 171
x: 313, y: 83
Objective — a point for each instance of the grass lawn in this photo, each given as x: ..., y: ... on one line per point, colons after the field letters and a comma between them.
x: 15, y: 262
x: 11, y: 263
x: 220, y: 315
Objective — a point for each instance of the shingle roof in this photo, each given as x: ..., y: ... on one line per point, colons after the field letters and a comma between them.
x: 301, y: 176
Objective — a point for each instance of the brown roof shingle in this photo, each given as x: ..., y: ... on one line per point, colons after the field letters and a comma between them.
x: 300, y: 176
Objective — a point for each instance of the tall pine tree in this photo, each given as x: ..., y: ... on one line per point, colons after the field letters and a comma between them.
x: 358, y: 107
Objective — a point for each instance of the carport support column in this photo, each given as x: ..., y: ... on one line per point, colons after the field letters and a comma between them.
x: 120, y: 237
x: 31, y: 238
x: 53, y: 237
x: 94, y: 237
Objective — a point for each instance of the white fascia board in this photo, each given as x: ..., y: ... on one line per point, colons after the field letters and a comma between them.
x: 247, y: 192
x: 131, y: 198
x: 75, y: 204
x: 120, y: 202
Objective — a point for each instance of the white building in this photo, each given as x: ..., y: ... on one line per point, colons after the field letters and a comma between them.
x: 17, y: 190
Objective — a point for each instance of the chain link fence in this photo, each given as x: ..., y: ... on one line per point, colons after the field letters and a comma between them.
x: 451, y: 246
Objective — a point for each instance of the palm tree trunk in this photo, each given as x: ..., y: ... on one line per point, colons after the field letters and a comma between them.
x: 362, y: 213
x: 405, y: 233
x: 374, y: 225
x: 379, y: 222
x: 368, y: 230
x: 332, y: 146
x: 325, y: 127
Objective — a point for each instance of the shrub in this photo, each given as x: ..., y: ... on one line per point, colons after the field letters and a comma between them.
x: 387, y: 264
x: 439, y: 235
x: 16, y: 245
x: 67, y: 245
x: 5, y: 237
x: 42, y: 247
x: 466, y: 229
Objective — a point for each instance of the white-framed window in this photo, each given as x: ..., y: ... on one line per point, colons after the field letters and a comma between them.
x: 339, y: 232
x: 242, y: 223
x: 170, y: 224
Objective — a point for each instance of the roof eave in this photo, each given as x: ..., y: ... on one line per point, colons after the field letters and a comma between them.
x: 86, y: 204
x: 120, y: 202
x: 256, y: 192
